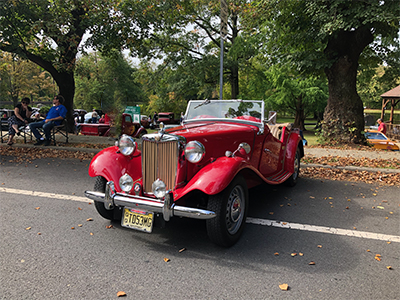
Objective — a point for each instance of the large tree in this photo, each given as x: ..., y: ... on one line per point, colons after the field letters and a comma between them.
x: 49, y: 32
x: 331, y: 35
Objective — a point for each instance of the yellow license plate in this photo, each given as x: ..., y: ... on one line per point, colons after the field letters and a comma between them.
x: 138, y: 219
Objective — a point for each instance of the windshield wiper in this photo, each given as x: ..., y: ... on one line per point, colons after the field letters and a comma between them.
x: 202, y: 103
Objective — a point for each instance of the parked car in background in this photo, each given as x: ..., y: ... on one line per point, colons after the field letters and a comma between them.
x: 5, y: 114
x: 128, y: 127
x: 145, y: 121
x: 380, y: 141
x: 200, y: 169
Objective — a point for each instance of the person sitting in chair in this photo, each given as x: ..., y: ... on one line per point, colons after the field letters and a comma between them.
x: 54, y: 117
x: 22, y: 113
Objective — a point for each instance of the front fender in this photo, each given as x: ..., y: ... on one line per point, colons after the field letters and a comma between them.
x: 221, y: 172
x: 111, y: 165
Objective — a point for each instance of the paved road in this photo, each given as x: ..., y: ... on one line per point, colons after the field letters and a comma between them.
x: 330, y: 223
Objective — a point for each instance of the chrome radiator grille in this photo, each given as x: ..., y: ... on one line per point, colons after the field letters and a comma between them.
x: 159, y: 160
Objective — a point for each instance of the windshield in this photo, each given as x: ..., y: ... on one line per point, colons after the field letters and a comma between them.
x: 375, y: 136
x: 248, y: 110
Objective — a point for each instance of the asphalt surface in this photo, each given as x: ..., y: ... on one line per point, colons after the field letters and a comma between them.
x: 46, y: 254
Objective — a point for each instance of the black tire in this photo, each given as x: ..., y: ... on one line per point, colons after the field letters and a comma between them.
x: 100, y: 186
x: 230, y: 207
x: 292, y: 180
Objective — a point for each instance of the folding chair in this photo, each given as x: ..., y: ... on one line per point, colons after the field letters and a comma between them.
x: 60, y: 129
x: 4, y: 132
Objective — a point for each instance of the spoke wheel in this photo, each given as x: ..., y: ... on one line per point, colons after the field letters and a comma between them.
x: 231, y: 208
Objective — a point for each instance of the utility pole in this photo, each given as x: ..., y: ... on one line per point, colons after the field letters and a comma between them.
x: 223, y: 35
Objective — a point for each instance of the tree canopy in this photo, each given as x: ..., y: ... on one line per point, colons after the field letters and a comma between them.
x: 331, y: 35
x: 49, y: 33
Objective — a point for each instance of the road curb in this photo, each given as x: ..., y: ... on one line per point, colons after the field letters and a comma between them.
x: 350, y: 168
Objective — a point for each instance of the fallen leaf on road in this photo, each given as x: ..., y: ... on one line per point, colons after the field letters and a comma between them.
x: 380, y: 207
x: 91, y: 233
x: 109, y: 226
x: 79, y: 208
x: 284, y: 286
x: 293, y: 254
x: 37, y: 208
x: 39, y: 233
x: 183, y: 249
x: 311, y: 263
x: 319, y: 246
x: 388, y: 242
x: 121, y: 294
x: 72, y: 227
x: 80, y: 225
x: 90, y: 219
x: 301, y: 254
x: 276, y: 253
x: 389, y: 267
x: 166, y: 259
x: 368, y: 250
x: 28, y: 228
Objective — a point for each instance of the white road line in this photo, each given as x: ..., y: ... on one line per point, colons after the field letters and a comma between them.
x: 323, y: 229
x: 264, y: 222
x: 45, y: 195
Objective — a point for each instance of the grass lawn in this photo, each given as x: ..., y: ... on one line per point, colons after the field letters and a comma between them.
x: 378, y: 111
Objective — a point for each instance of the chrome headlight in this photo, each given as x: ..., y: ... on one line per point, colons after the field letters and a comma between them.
x: 159, y: 189
x: 126, y: 145
x: 126, y: 183
x: 194, y: 151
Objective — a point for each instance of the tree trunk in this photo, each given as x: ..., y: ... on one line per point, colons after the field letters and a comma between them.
x: 343, y: 117
x: 299, y: 117
x: 234, y: 81
x: 66, y: 84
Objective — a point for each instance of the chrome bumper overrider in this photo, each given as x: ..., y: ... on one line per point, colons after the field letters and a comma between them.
x: 110, y: 199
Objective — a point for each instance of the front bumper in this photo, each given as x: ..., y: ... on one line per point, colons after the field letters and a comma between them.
x: 111, y: 198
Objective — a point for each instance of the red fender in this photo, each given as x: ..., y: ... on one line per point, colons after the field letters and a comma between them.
x: 293, y: 142
x: 111, y: 164
x: 223, y: 170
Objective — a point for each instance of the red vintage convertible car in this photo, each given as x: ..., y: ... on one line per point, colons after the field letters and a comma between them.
x: 200, y: 169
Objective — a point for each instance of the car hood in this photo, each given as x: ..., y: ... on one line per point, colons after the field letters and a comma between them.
x: 217, y: 137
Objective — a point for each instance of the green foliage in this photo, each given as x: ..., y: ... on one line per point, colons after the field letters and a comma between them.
x: 22, y: 78
x: 296, y: 94
x: 106, y: 83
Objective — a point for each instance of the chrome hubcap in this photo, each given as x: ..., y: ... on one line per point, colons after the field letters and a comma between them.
x: 235, y: 209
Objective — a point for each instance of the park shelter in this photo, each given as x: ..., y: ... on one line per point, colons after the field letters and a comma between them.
x: 392, y: 96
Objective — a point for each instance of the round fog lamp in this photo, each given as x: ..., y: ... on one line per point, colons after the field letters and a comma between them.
x: 126, y: 144
x: 159, y: 189
x: 126, y: 183
x: 194, y: 151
